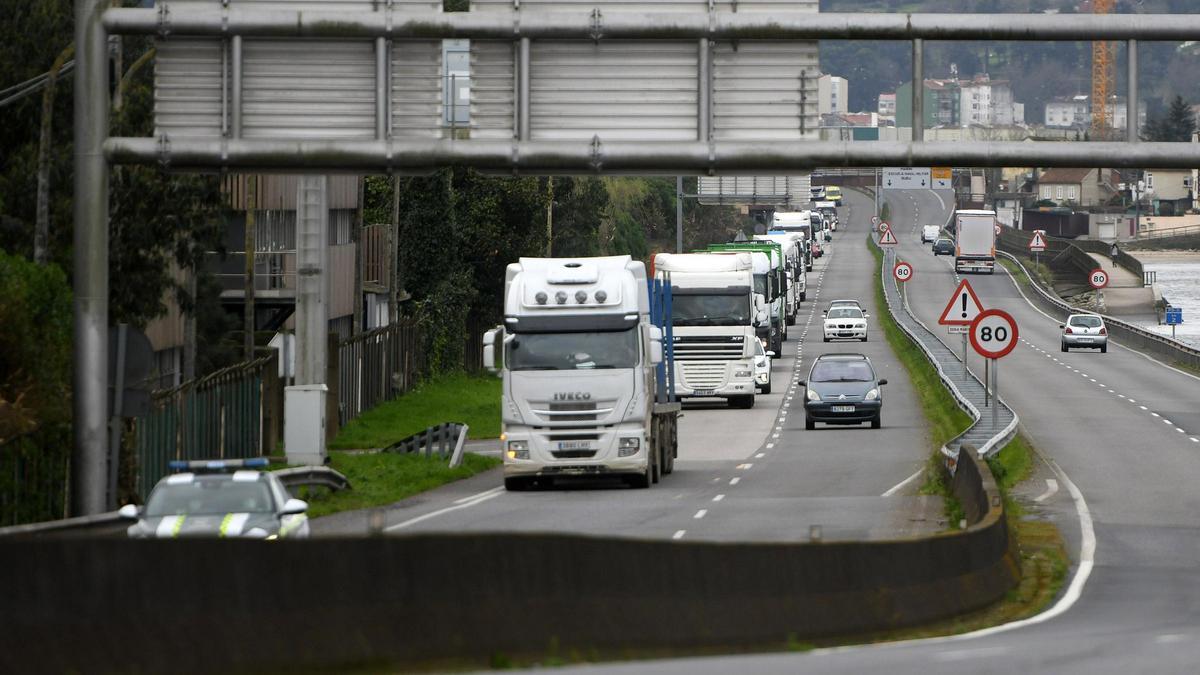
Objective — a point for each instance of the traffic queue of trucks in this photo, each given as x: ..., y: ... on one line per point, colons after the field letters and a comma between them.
x: 595, y: 354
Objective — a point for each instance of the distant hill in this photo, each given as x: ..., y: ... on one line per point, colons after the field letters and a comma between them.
x: 1038, y: 71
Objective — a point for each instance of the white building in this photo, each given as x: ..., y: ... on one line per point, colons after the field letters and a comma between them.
x: 1076, y: 112
x: 833, y: 95
x: 987, y: 102
x: 887, y: 107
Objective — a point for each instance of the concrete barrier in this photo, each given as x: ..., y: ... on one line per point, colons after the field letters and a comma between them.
x: 218, y: 605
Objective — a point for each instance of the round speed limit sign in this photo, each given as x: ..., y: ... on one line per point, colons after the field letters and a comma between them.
x: 994, y: 334
x: 875, y: 221
x: 883, y: 226
x: 902, y: 271
x: 1098, y: 279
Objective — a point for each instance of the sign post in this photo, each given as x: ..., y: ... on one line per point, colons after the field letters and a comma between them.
x: 902, y: 271
x: 1036, y: 246
x: 994, y: 335
x: 960, y: 312
x: 1174, y: 318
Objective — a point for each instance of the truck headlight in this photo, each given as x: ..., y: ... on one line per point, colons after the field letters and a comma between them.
x: 741, y: 373
x: 628, y: 446
x: 871, y: 395
x: 813, y: 396
x: 518, y: 449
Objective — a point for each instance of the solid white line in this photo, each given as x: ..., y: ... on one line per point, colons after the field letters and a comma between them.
x: 448, y: 509
x: 760, y: 455
x: 1051, y: 489
x: 679, y: 534
x: 898, y: 486
x: 718, y: 498
x: 477, y: 496
x: 700, y: 514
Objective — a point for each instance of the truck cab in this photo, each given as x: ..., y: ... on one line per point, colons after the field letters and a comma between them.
x: 713, y: 314
x: 792, y: 244
x: 801, y: 222
x: 578, y: 356
x: 771, y: 282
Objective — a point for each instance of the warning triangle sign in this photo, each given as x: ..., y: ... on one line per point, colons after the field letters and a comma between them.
x: 1038, y: 243
x: 887, y: 238
x: 963, y: 307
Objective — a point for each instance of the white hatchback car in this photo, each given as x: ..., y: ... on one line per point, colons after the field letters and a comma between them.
x: 845, y: 323
x: 762, y: 367
x: 1084, y: 330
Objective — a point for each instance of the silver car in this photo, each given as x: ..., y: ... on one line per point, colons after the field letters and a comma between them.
x: 221, y: 498
x: 1084, y: 330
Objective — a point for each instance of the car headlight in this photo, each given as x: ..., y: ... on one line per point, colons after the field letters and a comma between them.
x: 255, y: 533
x: 518, y: 449
x: 871, y: 395
x: 813, y: 396
x: 629, y: 446
x: 741, y: 373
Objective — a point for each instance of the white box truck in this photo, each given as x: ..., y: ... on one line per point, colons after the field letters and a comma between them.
x: 586, y: 382
x: 713, y: 314
x: 975, y: 241
x: 793, y: 253
x: 805, y: 223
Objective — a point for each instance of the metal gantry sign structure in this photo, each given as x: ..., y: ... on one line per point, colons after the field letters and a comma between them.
x: 702, y: 87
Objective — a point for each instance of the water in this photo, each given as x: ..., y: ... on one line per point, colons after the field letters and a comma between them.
x: 1179, y: 279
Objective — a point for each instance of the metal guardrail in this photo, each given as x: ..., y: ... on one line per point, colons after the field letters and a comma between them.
x: 1166, y: 233
x: 100, y: 524
x: 1131, y: 335
x: 310, y: 476
x: 435, y: 439
x: 966, y: 389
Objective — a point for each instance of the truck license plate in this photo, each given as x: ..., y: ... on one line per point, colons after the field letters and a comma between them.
x: 574, y: 445
x: 703, y: 392
x: 843, y: 408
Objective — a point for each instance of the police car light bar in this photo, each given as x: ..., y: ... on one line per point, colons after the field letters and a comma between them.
x: 218, y: 464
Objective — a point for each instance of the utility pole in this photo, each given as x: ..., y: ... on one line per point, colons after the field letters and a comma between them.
x: 41, y: 231
x: 393, y: 255
x: 679, y: 214
x: 248, y: 322
x: 549, y: 216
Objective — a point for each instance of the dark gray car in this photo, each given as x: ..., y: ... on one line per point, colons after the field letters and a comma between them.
x: 842, y: 389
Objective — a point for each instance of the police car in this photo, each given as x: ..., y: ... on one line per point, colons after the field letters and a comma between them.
x: 219, y: 498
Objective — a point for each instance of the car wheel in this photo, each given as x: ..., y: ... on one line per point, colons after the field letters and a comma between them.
x: 825, y: 338
x: 809, y: 424
x: 864, y: 338
x: 766, y: 388
x: 517, y: 483
x: 1063, y: 347
x: 876, y: 422
x: 1103, y: 349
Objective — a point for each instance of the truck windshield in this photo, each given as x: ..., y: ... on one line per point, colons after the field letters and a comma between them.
x: 573, y: 351
x: 711, y: 310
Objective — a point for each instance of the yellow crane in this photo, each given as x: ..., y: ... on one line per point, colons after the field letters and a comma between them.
x: 1104, y: 61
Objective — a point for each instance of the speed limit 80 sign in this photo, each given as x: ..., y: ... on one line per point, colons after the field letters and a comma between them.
x: 1098, y: 278
x: 994, y: 334
x: 902, y: 271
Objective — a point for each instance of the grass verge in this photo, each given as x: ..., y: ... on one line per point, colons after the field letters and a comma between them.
x: 474, y: 401
x: 378, y: 479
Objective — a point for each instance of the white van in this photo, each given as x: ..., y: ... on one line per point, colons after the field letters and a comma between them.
x: 930, y: 233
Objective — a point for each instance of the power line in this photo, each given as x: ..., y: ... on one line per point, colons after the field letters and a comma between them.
x: 31, y: 86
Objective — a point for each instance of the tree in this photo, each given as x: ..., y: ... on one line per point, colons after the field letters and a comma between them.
x: 628, y: 238
x: 579, y: 206
x: 1176, y: 125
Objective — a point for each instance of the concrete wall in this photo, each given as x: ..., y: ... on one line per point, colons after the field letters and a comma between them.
x: 220, y: 605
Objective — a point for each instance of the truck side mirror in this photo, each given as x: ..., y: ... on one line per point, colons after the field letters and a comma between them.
x: 759, y: 302
x: 654, y: 340
x: 761, y: 316
x: 489, y: 349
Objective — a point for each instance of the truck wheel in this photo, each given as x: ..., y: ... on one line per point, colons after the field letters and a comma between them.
x: 791, y: 320
x: 656, y: 462
x: 744, y: 402
x: 803, y: 296
x: 640, y: 481
x: 517, y: 483
x: 766, y: 388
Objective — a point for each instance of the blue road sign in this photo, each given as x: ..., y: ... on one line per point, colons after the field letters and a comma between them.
x: 1174, y: 316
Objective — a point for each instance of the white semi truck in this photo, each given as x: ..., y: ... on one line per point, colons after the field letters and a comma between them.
x: 586, y: 377
x: 805, y: 223
x: 793, y: 253
x: 713, y: 312
x: 975, y: 241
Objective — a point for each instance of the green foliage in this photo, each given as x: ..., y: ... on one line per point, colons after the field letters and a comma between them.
x: 474, y: 401
x: 1177, y: 124
x: 628, y: 238
x: 579, y: 207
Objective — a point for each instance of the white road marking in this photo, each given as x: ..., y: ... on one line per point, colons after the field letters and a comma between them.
x: 1180, y: 430
x: 735, y: 480
x: 1140, y: 406
x: 747, y: 465
x: 481, y: 494
x: 1169, y: 638
x: 483, y: 497
x: 760, y: 455
x: 679, y: 534
x: 718, y: 498
x: 700, y: 514
x: 1051, y: 489
x: 899, y: 486
x: 1194, y: 439
x: 770, y: 445
x: 1152, y: 412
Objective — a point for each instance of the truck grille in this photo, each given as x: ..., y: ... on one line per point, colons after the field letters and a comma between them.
x: 696, y: 348
x: 573, y: 454
x: 582, y: 411
x: 703, y: 375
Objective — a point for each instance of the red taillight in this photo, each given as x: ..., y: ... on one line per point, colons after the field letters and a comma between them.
x: 1069, y: 331
x: 1103, y: 330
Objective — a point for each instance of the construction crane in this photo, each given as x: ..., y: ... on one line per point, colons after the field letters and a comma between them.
x: 1104, y: 61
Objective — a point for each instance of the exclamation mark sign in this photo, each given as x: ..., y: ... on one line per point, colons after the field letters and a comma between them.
x: 964, y: 304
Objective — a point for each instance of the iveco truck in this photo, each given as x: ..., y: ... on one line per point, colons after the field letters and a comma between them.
x: 586, y: 383
x: 975, y: 241
x: 713, y: 313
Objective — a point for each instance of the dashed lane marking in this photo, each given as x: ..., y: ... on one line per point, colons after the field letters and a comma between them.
x: 679, y: 534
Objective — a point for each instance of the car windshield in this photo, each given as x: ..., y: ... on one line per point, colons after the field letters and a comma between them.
x: 710, y: 310
x: 210, y: 496
x: 845, y: 313
x: 944, y: 242
x: 1086, y: 321
x: 573, y: 351
x: 841, y: 371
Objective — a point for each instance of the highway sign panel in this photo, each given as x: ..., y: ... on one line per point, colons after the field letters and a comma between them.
x: 887, y: 238
x: 942, y: 177
x: 1038, y: 243
x: 905, y: 178
x: 1098, y: 278
x: 1174, y: 316
x: 902, y: 271
x: 994, y: 334
x: 963, y: 307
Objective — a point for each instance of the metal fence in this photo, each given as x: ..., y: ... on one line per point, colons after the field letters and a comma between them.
x: 233, y: 413
x: 378, y: 366
x: 33, y: 475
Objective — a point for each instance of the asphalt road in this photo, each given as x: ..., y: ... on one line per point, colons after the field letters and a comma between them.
x: 1124, y: 429
x: 742, y: 475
